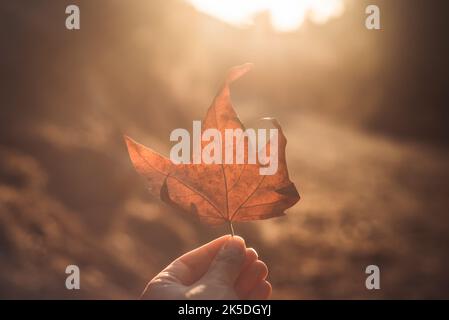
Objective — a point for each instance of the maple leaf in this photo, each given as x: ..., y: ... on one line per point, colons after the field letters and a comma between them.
x: 218, y: 193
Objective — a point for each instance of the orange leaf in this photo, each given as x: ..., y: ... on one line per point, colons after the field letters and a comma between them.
x: 218, y: 193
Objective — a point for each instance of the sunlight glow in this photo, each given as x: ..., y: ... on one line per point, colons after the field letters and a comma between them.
x: 286, y: 15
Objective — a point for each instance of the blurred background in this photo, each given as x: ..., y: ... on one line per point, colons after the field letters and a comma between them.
x: 365, y: 113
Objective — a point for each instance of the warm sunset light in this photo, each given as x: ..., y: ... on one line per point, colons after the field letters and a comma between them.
x: 232, y: 152
x: 286, y: 15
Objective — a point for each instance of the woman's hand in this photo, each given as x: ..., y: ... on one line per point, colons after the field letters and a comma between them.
x: 221, y: 269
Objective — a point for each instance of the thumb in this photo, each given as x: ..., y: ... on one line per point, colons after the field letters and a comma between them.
x: 228, y: 262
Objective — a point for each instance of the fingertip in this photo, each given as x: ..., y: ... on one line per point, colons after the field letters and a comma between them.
x: 229, y: 261
x: 223, y: 239
x: 235, y: 243
x: 261, y: 292
x: 250, y: 277
x: 268, y: 288
x: 237, y: 239
x: 251, y: 255
x: 262, y: 269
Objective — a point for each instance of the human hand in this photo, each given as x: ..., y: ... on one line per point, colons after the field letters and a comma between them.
x: 221, y: 269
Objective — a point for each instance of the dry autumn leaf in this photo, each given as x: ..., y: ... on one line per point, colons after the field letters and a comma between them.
x: 218, y: 193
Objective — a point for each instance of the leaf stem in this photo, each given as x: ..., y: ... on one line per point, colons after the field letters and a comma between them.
x: 231, y: 227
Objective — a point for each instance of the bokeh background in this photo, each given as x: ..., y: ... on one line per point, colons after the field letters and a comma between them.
x: 365, y: 113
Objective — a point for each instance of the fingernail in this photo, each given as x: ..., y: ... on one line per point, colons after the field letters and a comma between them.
x: 234, y: 244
